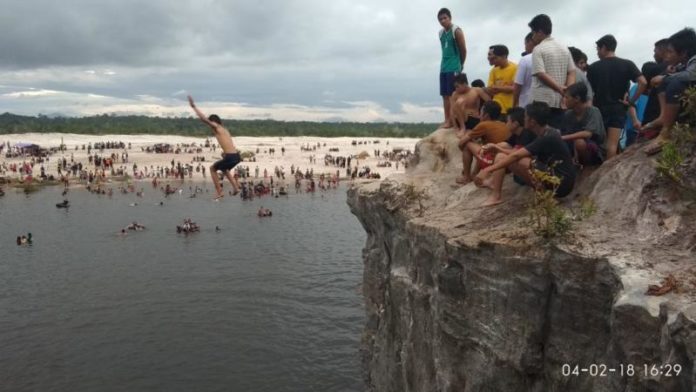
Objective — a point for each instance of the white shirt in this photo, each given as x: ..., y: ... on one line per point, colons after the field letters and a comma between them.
x: 523, y: 77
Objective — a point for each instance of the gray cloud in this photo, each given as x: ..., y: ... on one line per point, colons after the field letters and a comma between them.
x: 306, y: 53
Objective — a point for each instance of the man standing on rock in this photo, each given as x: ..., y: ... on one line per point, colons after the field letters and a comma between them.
x: 552, y: 68
x: 610, y: 78
x: 453, y: 57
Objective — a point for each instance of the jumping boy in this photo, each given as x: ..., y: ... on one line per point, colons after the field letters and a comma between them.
x: 230, y: 155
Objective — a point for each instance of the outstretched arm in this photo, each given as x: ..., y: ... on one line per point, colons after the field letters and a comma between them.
x: 201, y: 115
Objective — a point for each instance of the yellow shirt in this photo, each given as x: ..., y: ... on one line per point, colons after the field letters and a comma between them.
x: 503, y: 77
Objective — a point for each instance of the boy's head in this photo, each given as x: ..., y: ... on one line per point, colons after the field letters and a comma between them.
x: 576, y: 94
x: 497, y: 54
x: 215, y: 118
x: 606, y: 45
x: 541, y: 27
x: 579, y: 58
x: 478, y: 83
x: 537, y: 115
x: 444, y: 16
x: 660, y: 49
x: 528, y: 43
x: 682, y: 45
x: 515, y: 120
x: 490, y: 111
x: 461, y: 83
x: 650, y: 69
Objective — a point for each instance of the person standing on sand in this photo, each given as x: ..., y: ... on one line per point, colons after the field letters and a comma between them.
x: 230, y: 155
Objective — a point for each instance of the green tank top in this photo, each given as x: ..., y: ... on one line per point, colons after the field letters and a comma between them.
x: 451, y: 62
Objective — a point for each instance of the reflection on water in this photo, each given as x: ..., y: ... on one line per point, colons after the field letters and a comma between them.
x: 263, y: 305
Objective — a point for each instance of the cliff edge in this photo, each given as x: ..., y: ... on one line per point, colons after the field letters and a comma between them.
x: 464, y: 298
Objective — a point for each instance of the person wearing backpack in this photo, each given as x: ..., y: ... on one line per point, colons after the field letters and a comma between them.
x: 453, y: 57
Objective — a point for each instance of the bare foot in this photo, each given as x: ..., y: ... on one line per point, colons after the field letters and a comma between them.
x: 446, y: 125
x: 492, y: 201
x: 463, y: 180
x: 219, y: 196
x: 655, y: 146
x: 236, y: 192
x: 488, y: 183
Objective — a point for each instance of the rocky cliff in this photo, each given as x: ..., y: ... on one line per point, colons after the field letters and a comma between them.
x: 463, y: 298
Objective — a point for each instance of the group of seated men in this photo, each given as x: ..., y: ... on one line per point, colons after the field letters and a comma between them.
x: 538, y: 136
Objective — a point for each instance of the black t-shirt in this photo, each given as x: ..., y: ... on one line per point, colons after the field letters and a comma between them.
x: 524, y: 138
x: 552, y: 151
x: 652, y: 108
x: 610, y: 79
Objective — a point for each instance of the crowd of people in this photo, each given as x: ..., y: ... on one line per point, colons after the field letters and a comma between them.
x: 552, y: 111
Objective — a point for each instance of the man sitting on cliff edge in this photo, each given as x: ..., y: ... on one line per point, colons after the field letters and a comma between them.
x: 547, y: 153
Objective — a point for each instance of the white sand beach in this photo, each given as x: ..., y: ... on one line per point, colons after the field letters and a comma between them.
x: 293, y: 156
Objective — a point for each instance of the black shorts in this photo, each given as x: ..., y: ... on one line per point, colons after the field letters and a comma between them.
x: 227, y: 162
x: 472, y: 122
x: 567, y: 183
x: 615, y: 120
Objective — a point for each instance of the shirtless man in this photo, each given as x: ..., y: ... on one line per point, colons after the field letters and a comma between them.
x: 230, y: 155
x: 466, y: 103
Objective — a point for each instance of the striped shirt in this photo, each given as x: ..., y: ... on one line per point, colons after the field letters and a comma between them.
x: 553, y: 59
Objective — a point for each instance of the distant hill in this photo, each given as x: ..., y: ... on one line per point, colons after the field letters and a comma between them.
x: 109, y: 124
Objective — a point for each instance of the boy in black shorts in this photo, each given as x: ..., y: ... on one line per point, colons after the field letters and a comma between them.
x: 230, y: 155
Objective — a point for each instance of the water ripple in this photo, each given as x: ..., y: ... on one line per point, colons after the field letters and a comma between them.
x: 263, y: 305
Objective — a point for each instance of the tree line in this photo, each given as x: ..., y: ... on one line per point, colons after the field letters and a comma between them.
x: 130, y: 125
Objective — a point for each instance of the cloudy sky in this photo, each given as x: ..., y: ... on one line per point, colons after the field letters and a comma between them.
x: 339, y: 60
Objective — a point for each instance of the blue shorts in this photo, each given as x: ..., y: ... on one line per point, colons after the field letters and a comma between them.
x: 447, y: 83
x: 227, y: 162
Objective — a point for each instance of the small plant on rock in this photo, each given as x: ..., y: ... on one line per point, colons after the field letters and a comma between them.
x: 672, y: 159
x: 587, y: 208
x: 412, y: 194
x: 548, y: 218
x: 405, y: 195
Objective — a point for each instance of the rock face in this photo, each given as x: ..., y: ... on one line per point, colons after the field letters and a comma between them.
x: 462, y: 298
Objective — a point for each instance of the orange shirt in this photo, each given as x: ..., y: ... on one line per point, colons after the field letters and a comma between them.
x: 491, y: 131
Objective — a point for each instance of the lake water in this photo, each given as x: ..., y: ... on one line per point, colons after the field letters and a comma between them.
x: 268, y: 304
